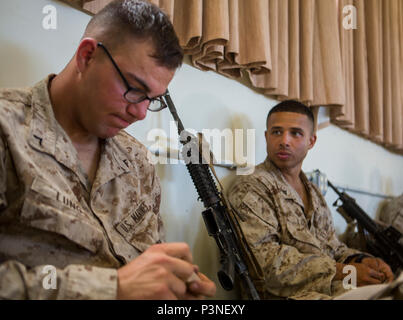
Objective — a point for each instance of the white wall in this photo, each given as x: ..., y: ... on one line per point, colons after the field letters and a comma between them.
x: 204, y: 100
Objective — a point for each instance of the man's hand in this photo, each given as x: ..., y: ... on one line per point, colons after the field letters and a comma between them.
x: 380, y: 266
x: 369, y: 271
x: 162, y: 272
x: 367, y: 276
x: 202, y: 288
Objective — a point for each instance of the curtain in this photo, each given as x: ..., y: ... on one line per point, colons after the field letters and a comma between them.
x: 301, y: 49
x: 78, y: 3
x: 373, y: 72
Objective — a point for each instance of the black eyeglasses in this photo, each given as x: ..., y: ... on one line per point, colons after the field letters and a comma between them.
x: 134, y: 95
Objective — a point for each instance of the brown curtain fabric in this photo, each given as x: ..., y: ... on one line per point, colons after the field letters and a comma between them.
x: 94, y: 6
x: 373, y: 72
x: 77, y: 3
x: 300, y: 49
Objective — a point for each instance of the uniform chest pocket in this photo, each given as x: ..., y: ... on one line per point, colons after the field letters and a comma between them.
x: 261, y: 209
x: 46, y: 209
x: 299, y: 232
x: 140, y: 227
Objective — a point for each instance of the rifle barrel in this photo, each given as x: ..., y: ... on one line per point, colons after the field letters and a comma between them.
x: 384, y: 244
x: 334, y: 188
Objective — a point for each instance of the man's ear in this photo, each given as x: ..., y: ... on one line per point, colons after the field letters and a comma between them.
x: 85, y: 53
x: 312, y: 140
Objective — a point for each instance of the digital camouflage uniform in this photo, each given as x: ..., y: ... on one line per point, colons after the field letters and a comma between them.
x: 296, y: 249
x: 50, y: 214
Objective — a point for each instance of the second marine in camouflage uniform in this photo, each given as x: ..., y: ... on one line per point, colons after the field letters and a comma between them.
x: 296, y: 249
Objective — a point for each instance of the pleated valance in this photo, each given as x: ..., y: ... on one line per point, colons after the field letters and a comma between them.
x: 343, y: 54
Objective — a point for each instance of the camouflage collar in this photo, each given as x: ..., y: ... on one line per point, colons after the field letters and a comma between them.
x: 284, y: 186
x: 43, y: 126
x: 112, y: 163
x: 316, y: 200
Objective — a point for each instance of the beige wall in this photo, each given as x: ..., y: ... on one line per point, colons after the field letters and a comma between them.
x: 204, y: 100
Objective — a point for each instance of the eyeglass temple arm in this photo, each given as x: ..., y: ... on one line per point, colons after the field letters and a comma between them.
x: 100, y: 44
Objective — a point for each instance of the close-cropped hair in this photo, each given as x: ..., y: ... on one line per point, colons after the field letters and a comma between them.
x: 136, y: 20
x: 292, y: 106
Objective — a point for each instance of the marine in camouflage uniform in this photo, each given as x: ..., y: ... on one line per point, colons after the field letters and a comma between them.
x: 50, y: 214
x: 286, y: 222
x: 76, y: 192
x: 297, y: 250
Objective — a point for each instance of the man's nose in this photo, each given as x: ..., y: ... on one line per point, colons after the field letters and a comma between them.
x: 138, y: 110
x: 285, y: 139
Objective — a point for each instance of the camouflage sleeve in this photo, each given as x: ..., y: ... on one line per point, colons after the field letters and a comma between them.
x: 46, y: 282
x: 288, y: 272
x: 3, y: 200
x: 341, y: 251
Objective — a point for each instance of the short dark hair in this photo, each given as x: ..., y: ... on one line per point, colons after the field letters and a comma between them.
x: 292, y: 106
x: 142, y: 21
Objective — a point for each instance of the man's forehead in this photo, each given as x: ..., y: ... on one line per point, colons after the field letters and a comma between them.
x: 141, y: 68
x: 288, y: 119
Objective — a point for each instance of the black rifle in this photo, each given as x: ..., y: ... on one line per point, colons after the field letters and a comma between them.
x: 215, y: 216
x: 384, y: 242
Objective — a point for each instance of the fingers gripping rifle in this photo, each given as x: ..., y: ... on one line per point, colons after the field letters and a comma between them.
x: 215, y: 216
x: 386, y: 241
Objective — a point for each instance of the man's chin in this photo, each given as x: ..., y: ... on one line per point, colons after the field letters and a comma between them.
x: 109, y: 133
x: 281, y: 164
